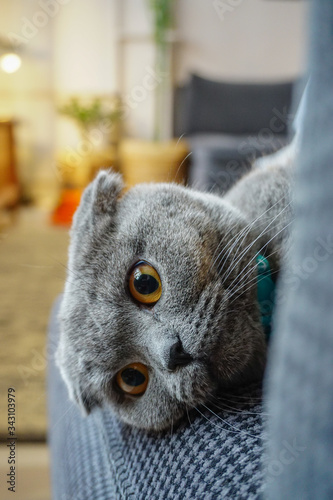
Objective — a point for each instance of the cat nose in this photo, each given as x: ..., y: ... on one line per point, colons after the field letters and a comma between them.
x: 178, y: 357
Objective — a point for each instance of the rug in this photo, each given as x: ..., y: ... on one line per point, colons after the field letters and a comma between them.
x: 33, y: 257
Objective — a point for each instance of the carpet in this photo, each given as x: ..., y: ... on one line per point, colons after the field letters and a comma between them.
x: 33, y: 257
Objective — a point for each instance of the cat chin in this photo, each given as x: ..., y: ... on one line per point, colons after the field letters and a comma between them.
x: 167, y: 402
x: 147, y: 423
x: 149, y: 417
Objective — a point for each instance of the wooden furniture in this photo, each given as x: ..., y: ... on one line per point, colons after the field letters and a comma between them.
x: 9, y: 186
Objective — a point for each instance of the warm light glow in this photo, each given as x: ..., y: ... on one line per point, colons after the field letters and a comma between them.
x: 10, y: 62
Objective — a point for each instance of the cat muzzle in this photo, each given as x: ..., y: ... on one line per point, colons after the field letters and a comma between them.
x: 178, y: 357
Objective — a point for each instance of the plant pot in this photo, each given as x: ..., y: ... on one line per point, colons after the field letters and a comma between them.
x: 73, y: 169
x: 68, y: 203
x: 145, y: 161
x: 104, y: 159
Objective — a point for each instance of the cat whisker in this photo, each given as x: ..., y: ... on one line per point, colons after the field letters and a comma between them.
x: 233, y: 429
x: 84, y: 287
x: 237, y: 251
x: 246, y: 250
x: 254, y: 283
x: 67, y: 269
x: 180, y: 166
x: 239, y: 287
x: 246, y: 290
x: 242, y: 252
x: 188, y: 416
x: 171, y: 429
x: 244, y: 401
x: 222, y: 258
x: 247, y: 228
x: 75, y: 275
x: 218, y: 248
x: 233, y: 398
x: 231, y: 244
x: 256, y: 239
x: 232, y: 409
x: 285, y: 227
x: 241, y: 283
x: 263, y: 232
x: 249, y: 224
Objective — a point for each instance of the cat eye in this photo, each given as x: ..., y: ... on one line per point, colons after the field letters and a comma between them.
x: 144, y: 283
x: 133, y: 379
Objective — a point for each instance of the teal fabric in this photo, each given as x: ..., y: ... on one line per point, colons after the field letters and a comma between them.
x: 265, y: 293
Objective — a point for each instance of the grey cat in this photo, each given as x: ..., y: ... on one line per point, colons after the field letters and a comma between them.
x: 160, y: 309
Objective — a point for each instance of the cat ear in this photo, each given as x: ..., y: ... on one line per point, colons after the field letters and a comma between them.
x: 98, y: 203
x: 105, y: 192
x: 86, y: 402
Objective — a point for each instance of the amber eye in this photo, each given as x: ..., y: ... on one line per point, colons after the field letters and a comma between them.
x: 145, y: 284
x: 133, y: 379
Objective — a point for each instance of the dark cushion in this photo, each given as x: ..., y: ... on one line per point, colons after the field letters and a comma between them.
x: 219, y: 160
x: 237, y: 108
x: 227, y: 146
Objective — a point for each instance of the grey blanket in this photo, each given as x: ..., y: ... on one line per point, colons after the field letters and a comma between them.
x: 300, y: 382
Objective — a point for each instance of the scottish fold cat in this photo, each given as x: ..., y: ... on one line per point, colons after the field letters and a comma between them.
x: 160, y: 309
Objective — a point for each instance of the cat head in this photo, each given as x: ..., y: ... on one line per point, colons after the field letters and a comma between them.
x: 152, y: 323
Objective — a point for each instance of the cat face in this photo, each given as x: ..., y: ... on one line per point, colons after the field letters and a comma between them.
x: 148, y: 324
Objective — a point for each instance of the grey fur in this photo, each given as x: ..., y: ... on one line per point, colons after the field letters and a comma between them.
x: 199, y: 243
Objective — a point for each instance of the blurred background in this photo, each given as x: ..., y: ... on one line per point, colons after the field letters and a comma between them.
x: 188, y: 91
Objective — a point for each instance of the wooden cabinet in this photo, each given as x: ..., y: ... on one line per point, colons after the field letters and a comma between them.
x: 9, y: 186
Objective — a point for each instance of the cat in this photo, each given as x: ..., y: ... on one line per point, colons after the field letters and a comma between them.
x: 160, y: 308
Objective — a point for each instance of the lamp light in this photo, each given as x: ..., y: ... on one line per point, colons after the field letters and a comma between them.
x: 10, y: 62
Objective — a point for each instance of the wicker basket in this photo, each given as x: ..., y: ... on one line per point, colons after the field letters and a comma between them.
x: 145, y: 161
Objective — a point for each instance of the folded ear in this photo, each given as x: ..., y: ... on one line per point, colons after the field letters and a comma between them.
x: 106, y: 189
x: 97, y: 208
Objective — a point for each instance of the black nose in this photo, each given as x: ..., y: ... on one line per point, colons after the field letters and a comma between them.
x: 178, y: 357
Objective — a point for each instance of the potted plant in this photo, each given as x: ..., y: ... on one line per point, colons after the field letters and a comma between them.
x: 95, y: 120
x: 87, y: 115
x: 162, y: 158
